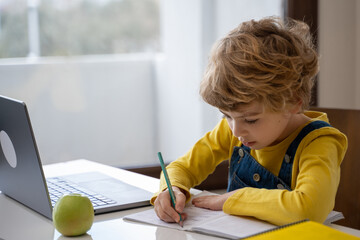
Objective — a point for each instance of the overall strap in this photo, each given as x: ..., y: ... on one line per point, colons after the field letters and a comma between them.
x: 287, y: 164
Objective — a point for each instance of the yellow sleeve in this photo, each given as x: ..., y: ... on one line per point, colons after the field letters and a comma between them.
x: 313, y: 195
x: 200, y: 161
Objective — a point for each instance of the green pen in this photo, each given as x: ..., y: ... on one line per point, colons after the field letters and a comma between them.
x: 172, y: 195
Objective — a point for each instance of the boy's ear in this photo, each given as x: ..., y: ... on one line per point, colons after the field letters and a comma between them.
x: 296, y: 108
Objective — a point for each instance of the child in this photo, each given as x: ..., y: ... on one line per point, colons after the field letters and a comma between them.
x: 284, y: 161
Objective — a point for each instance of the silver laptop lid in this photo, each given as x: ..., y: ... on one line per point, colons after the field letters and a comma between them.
x: 21, y: 174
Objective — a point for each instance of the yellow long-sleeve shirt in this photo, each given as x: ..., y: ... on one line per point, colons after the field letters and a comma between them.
x: 315, y: 173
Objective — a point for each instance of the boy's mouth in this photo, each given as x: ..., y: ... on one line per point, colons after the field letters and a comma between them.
x: 248, y: 144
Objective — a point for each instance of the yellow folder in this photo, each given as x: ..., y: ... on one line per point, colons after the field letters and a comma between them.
x: 304, y: 230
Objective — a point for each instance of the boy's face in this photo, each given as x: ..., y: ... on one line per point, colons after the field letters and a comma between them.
x: 257, y: 128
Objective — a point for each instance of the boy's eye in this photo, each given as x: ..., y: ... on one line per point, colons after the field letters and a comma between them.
x: 250, y: 121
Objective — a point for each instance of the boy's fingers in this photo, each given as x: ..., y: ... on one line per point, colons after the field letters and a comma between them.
x: 180, y: 201
x: 160, y: 207
x: 164, y: 209
x: 164, y: 216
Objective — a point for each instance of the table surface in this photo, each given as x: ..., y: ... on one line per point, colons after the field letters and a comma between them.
x: 20, y: 222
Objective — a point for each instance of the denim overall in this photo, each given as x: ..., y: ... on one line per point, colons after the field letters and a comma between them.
x: 245, y: 171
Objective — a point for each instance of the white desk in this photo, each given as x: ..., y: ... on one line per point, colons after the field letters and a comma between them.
x: 19, y: 222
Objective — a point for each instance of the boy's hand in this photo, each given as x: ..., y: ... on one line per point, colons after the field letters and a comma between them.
x: 164, y: 209
x: 212, y: 202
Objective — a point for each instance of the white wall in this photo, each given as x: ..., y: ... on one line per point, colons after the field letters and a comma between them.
x: 339, y: 45
x: 231, y: 13
x: 178, y: 102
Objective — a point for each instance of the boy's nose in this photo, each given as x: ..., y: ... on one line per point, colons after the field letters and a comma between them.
x: 239, y: 131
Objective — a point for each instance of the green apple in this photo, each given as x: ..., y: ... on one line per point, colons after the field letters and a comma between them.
x: 73, y: 214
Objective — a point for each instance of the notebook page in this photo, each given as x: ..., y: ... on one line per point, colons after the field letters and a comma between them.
x: 233, y: 227
x: 196, y: 216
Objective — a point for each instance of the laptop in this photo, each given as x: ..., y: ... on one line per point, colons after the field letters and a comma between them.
x: 22, y: 177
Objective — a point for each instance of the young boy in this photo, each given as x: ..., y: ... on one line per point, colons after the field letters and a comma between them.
x: 284, y: 161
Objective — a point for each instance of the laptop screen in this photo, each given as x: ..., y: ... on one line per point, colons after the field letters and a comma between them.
x: 21, y: 175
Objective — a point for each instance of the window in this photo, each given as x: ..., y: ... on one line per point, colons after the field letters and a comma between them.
x: 78, y: 27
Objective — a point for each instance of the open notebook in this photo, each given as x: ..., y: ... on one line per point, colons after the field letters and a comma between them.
x: 215, y: 223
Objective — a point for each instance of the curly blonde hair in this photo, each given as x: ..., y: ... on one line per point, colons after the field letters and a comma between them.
x: 270, y: 60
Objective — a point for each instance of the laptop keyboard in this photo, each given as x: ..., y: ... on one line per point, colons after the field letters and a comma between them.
x: 58, y: 187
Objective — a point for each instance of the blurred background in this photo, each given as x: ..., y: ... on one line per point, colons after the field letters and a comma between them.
x: 116, y: 81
